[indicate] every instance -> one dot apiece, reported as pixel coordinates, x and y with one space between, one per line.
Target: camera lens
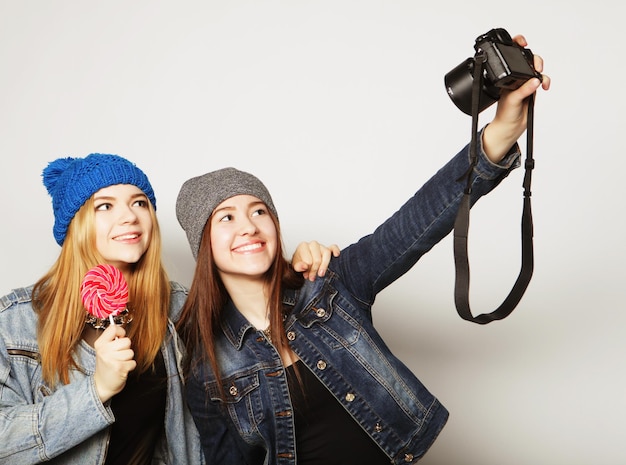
459 83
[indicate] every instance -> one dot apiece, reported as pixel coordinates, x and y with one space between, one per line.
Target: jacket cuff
487 169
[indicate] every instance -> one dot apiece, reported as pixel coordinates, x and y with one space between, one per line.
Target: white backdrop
339 107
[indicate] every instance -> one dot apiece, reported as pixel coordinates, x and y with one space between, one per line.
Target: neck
250 297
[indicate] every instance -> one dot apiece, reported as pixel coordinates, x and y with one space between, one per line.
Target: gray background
339 107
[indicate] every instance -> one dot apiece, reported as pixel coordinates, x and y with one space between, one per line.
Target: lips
127 237
249 247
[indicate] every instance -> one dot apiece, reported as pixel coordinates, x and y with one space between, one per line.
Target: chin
123 263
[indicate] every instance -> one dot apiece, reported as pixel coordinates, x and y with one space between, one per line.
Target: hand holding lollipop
104 293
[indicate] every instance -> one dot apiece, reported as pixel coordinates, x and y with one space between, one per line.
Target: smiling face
123 224
243 238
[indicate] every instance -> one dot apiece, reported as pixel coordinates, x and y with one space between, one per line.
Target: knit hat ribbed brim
199 196
71 181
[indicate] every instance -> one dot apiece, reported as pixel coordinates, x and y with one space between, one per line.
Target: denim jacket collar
235 325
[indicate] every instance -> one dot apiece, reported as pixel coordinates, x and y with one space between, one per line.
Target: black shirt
139 417
326 434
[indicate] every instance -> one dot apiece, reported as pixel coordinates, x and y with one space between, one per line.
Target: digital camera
507 66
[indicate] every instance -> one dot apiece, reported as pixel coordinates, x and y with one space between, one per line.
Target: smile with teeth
126 237
249 247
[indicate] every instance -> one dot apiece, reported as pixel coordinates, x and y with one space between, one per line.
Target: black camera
507 66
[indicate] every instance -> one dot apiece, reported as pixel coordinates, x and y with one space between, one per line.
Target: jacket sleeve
378 259
37 426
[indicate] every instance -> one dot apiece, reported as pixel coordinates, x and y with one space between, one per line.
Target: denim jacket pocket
333 319
320 309
243 400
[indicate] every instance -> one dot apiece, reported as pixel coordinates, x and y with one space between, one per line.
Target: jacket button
233 390
321 364
378 428
320 312
408 457
291 335
350 397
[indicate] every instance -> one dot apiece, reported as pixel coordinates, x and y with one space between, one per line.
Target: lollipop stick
112 321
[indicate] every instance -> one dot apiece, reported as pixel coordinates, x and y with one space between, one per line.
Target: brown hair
56 299
202 313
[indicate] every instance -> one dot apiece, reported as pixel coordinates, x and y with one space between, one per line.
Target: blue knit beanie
71 181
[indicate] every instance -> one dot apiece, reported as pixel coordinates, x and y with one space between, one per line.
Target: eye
225 218
103 207
141 203
259 212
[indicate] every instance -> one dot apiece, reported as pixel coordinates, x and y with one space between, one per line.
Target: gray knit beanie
199 196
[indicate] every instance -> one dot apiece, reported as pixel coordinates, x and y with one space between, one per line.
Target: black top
139 417
326 434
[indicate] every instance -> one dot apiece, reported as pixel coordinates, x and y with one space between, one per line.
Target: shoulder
17 317
19 297
178 296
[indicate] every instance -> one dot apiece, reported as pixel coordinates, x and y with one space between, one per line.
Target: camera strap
461 224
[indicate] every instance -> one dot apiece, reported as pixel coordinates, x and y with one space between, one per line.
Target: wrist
497 140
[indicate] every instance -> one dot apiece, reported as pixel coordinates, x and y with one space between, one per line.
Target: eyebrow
253 204
112 197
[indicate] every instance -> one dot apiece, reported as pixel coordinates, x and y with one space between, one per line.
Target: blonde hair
56 299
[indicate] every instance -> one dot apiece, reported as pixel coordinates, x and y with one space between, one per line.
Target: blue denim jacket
68 424
330 328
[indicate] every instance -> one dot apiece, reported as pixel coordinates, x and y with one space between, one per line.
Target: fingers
532 85
520 40
326 254
303 257
313 258
335 250
315 262
114 361
537 63
110 334
545 83
526 89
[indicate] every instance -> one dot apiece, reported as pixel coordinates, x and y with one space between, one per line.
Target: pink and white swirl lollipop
104 292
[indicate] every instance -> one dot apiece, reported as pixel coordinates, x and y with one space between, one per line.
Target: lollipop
104 293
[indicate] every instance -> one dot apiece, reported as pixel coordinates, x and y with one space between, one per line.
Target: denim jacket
68 424
329 326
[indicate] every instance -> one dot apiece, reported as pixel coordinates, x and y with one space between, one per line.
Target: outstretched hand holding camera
503 71
510 120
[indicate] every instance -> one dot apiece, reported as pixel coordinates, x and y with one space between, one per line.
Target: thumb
111 333
528 88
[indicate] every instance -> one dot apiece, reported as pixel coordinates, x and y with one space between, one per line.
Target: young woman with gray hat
73 394
287 371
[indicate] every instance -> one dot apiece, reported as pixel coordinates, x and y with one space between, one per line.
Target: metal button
233 390
291 335
320 312
408 457
378 428
350 397
321 364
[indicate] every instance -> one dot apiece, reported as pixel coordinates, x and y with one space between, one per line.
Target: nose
248 227
127 215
